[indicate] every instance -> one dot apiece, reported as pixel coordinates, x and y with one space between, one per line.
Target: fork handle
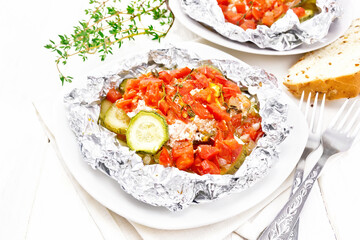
284 222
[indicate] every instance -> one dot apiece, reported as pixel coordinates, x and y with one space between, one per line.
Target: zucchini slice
116 120
122 86
147 132
104 107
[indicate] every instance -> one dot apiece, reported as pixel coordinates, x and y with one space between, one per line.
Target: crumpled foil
170 187
285 34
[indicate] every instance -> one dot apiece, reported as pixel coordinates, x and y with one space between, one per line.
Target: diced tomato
165 159
125 104
278 11
200 80
152 95
205 96
234 18
145 83
268 19
224 151
248 15
113 95
165 76
257 13
220 79
209 72
180 73
207 151
299 11
229 92
219 114
163 107
236 120
171 117
240 7
185 88
201 111
248 24
183 154
132 84
130 94
223 2
172 105
232 144
223 7
208 167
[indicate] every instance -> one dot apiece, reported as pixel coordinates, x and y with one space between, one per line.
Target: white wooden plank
58 211
22 146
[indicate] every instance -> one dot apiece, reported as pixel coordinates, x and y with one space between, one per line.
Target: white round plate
109 193
337 28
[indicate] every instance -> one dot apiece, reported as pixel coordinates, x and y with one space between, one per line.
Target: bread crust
340 87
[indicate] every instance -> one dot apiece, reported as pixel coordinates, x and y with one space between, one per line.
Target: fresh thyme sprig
110 23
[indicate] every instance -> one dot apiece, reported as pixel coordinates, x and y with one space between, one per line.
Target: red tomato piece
207 151
208 167
248 24
257 13
172 105
240 7
113 95
234 18
201 80
223 7
232 144
171 117
219 114
152 95
201 111
229 92
183 154
163 107
223 2
205 96
236 120
165 159
278 11
299 11
268 19
180 73
185 88
165 76
209 72
225 151
132 84
125 104
130 94
248 15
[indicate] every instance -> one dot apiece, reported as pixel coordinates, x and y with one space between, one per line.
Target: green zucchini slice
122 86
147 132
116 120
104 107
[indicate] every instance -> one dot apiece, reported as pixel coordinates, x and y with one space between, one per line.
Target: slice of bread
334 69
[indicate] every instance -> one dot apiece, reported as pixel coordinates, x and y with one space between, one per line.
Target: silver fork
335 139
312 144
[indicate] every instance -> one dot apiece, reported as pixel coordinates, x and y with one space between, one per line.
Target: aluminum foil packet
171 187
285 34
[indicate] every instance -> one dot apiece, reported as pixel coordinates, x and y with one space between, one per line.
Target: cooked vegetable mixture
250 13
195 120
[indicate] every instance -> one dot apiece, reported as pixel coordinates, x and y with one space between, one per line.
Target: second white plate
337 28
